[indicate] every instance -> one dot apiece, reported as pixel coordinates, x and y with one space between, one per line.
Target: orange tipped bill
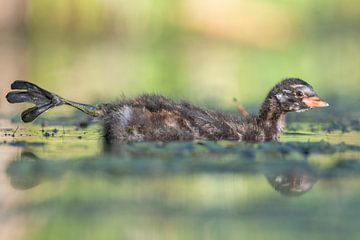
314 102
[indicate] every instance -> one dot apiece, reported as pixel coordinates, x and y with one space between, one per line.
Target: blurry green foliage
115 47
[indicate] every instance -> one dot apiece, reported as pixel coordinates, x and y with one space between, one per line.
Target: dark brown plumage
156 118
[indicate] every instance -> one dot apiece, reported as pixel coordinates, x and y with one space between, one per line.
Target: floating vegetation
26 144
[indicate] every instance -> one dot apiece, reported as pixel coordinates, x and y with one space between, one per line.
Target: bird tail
28 92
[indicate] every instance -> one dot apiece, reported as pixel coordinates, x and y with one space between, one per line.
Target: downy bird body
152 117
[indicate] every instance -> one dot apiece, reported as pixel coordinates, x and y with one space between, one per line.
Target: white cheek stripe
296 85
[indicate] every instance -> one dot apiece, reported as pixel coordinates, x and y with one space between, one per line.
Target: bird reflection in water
292 179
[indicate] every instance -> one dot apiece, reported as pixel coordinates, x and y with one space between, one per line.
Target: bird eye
299 93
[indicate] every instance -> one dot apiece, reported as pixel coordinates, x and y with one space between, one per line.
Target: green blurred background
206 51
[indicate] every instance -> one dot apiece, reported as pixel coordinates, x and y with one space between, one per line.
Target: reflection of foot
11 227
28 170
24 172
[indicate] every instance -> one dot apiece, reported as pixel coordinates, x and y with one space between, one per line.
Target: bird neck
272 117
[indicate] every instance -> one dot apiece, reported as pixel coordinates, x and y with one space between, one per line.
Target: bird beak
314 102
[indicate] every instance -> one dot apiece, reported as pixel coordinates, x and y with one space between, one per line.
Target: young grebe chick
156 118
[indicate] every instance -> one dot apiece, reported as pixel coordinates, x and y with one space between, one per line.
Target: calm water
56 182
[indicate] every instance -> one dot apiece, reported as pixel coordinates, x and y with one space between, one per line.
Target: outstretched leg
43 100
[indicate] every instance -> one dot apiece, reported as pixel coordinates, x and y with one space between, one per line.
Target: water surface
58 181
